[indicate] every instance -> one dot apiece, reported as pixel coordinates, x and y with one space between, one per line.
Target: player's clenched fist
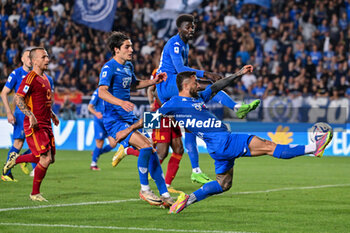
246 69
160 78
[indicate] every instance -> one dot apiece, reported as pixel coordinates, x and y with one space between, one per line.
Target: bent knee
179 150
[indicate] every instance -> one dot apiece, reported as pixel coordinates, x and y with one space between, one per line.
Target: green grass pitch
305 194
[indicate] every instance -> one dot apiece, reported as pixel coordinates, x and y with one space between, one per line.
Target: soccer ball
318 130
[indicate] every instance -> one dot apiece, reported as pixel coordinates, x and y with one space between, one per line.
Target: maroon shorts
40 140
166 134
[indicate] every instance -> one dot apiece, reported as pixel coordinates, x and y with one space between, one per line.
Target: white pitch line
70 204
292 188
114 228
127 200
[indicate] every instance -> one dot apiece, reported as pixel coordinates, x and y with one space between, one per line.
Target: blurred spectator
68 110
297 48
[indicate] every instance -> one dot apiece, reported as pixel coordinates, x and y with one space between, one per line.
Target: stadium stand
298 48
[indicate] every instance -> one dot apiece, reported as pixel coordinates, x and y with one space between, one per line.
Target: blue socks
157 174
142 164
98 151
222 98
106 149
208 189
288 151
191 147
13 149
96 154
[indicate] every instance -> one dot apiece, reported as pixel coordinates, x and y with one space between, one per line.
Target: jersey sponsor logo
26 88
9 79
104 74
126 82
177 50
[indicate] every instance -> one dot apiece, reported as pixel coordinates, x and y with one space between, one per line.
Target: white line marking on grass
113 228
292 188
70 204
128 200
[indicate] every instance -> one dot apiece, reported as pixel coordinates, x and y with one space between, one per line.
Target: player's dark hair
184 18
116 40
33 50
182 76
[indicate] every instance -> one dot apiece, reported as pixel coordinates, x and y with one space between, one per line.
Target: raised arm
139 84
221 84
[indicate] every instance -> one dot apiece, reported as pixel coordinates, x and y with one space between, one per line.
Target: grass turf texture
69 180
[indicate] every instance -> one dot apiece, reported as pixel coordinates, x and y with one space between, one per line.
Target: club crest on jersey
199 106
126 82
25 89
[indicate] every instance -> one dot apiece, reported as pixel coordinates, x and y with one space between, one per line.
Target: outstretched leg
191 147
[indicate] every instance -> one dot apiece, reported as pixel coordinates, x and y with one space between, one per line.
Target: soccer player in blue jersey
224 147
174 60
96 107
16 118
117 77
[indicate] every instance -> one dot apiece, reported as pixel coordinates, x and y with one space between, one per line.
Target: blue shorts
18 130
100 132
113 125
167 89
236 146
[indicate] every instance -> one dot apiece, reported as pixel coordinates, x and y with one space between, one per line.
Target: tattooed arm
19 100
222 83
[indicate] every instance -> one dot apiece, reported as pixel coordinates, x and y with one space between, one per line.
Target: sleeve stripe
30 77
20 94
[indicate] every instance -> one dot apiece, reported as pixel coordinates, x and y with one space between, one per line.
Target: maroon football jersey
37 93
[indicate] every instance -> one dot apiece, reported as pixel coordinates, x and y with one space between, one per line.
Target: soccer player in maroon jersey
34 99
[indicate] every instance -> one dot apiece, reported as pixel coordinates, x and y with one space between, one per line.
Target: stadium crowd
297 47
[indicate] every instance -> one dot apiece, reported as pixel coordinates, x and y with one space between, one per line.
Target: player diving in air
223 146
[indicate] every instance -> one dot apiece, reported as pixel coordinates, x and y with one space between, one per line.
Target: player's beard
194 93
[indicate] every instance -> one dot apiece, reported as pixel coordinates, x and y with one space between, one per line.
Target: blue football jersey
97 102
15 79
193 114
174 59
118 78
